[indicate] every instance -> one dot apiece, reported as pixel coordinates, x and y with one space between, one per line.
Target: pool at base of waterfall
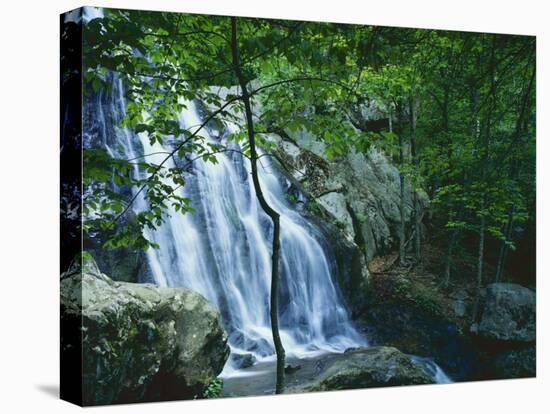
259 379
382 366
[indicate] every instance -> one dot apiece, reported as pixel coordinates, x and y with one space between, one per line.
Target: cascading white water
223 251
432 369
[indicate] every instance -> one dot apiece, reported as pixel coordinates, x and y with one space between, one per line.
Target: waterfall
223 249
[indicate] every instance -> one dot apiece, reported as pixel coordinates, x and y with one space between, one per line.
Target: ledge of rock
140 342
378 366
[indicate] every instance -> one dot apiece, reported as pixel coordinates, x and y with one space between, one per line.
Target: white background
29 136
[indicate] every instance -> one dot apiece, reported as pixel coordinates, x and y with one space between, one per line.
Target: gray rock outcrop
360 191
509 313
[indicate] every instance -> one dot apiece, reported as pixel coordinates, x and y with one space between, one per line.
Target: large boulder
509 313
378 366
140 342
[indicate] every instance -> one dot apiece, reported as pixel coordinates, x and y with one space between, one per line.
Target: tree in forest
274 216
460 111
469 92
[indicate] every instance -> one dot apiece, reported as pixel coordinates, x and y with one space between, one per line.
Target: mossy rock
378 366
140 342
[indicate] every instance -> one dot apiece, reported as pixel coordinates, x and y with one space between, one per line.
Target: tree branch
171 153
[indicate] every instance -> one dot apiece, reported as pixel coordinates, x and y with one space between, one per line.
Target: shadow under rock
50 389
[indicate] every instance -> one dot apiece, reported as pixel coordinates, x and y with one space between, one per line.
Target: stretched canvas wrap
254 206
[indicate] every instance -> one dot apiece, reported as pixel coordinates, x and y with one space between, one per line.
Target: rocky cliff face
353 198
141 342
360 191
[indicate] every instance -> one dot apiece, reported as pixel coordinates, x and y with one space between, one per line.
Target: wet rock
352 272
289 369
243 361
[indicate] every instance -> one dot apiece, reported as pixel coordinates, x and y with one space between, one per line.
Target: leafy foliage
214 389
464 100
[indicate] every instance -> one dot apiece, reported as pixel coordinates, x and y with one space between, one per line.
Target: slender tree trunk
401 193
416 212
481 245
401 200
449 257
279 349
504 246
479 279
417 227
484 174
